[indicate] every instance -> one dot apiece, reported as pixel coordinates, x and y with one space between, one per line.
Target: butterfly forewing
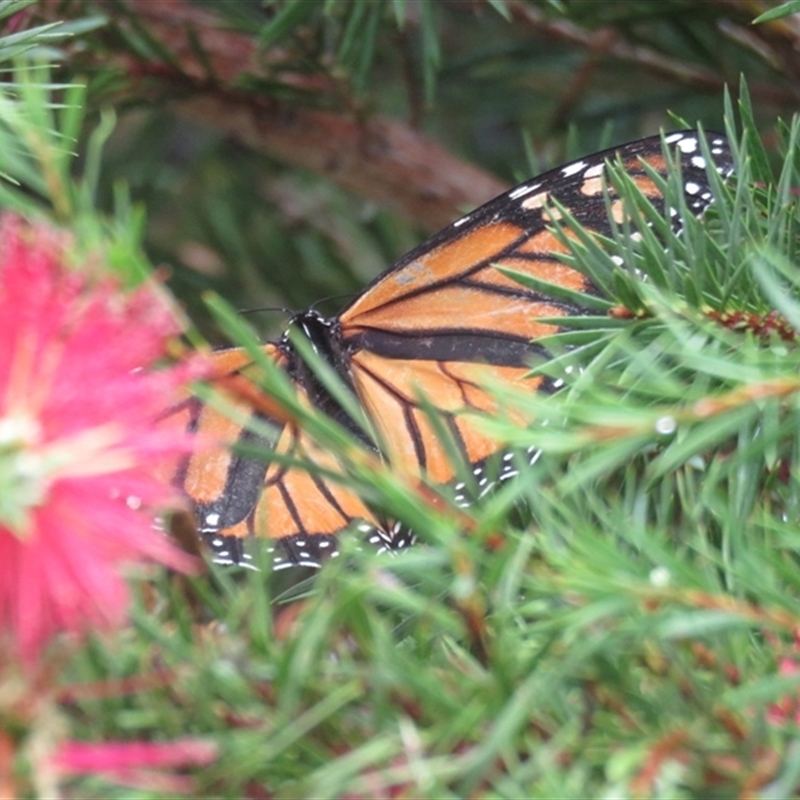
515 225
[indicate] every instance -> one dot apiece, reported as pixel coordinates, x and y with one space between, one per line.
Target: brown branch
375 157
224 55
378 158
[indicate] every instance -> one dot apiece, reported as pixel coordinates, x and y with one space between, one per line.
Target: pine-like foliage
622 620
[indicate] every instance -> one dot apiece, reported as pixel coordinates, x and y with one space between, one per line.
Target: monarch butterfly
442 321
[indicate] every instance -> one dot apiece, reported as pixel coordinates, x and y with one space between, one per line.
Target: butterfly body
324 335
442 324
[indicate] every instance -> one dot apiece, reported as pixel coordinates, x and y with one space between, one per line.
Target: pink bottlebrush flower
137 764
79 448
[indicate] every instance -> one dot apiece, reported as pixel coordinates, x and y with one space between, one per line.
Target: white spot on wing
572 169
521 191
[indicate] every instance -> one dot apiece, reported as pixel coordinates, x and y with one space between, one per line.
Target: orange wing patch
300 502
437 266
389 390
464 308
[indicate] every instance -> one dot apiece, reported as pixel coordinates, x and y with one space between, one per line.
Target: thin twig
527 14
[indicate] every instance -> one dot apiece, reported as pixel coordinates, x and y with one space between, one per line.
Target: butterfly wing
442 323
236 497
444 319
